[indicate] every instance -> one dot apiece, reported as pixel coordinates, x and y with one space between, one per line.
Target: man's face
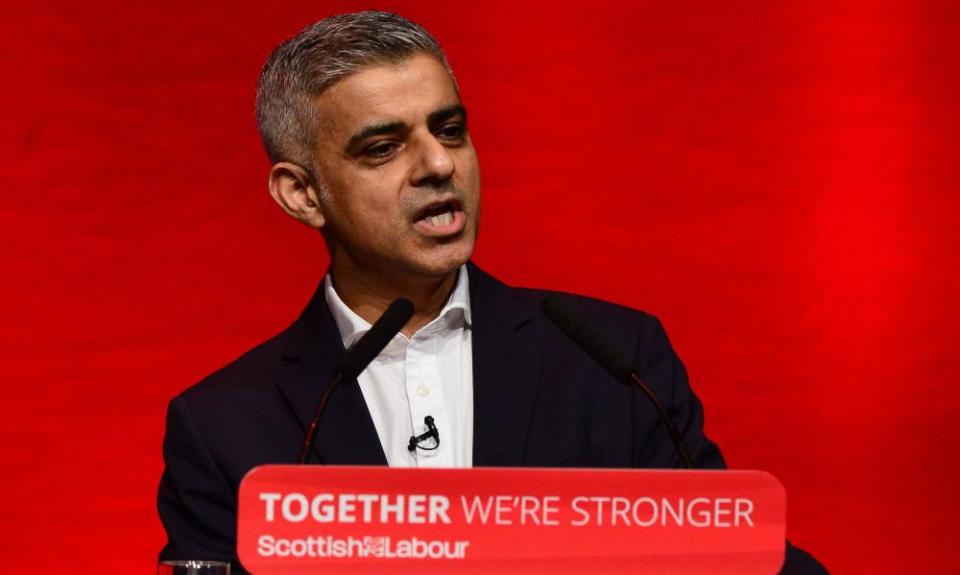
400 173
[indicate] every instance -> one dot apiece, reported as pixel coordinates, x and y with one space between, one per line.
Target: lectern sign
301 519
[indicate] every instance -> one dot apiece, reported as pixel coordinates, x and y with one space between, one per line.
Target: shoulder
253 372
635 332
617 329
236 415
589 307
527 301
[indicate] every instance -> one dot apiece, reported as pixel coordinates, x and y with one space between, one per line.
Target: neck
369 294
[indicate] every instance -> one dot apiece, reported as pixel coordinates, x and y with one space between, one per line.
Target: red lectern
305 519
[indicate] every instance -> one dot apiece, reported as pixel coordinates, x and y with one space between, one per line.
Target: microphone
360 354
610 358
416 440
357 358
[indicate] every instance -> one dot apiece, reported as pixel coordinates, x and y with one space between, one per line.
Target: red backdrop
777 183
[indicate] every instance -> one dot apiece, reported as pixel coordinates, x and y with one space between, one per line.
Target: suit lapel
345 434
506 372
506 375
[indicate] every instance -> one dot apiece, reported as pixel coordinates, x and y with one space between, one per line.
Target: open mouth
441 218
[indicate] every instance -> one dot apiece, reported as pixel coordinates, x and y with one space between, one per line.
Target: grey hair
302 67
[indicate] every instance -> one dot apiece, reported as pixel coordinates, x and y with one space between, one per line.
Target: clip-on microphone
416 440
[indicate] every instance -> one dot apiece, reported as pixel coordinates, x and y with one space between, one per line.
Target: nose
434 165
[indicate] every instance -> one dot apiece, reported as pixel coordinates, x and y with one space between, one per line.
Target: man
362 119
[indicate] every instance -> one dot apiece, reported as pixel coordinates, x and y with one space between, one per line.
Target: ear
292 187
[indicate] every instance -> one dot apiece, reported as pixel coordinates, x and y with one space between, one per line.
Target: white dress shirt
430 373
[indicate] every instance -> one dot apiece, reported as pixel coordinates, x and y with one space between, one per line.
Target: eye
381 149
452 132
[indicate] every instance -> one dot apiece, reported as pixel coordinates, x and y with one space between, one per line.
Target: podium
330 519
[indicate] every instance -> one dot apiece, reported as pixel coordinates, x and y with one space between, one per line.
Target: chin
442 269
446 263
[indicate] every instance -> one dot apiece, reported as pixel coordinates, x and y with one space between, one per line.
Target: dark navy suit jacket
539 401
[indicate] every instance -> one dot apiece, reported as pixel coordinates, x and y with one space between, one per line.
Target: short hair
302 67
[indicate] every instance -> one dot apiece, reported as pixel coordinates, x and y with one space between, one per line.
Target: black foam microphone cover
590 340
360 354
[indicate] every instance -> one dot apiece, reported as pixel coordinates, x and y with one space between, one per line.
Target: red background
777 182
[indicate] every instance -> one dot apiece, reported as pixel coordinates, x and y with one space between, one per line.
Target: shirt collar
454 315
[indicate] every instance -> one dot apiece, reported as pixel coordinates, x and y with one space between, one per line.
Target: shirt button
423 391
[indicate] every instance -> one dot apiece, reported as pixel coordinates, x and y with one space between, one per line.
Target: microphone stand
312 430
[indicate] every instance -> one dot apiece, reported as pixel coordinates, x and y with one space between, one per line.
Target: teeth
444 219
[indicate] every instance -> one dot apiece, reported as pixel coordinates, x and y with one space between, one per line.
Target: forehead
406 91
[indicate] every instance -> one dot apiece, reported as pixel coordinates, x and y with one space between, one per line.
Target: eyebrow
436 117
445 113
374 130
